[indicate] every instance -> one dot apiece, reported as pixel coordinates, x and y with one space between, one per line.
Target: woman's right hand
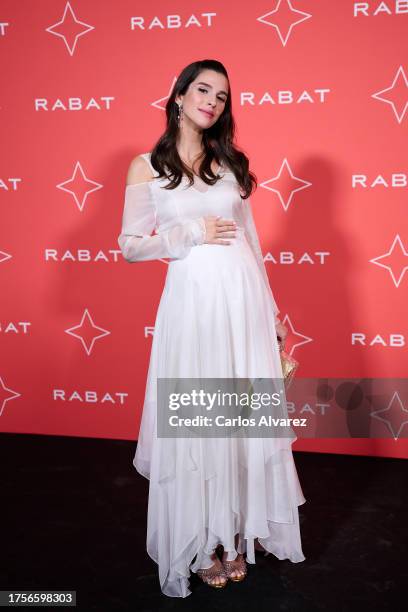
217 229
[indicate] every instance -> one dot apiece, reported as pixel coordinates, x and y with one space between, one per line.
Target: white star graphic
79 186
404 415
158 103
398 94
87 335
4 256
71 25
285 18
287 322
402 269
6 397
287 178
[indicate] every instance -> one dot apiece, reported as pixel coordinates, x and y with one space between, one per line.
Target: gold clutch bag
289 366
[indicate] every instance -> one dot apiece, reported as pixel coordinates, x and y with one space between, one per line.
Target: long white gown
216 319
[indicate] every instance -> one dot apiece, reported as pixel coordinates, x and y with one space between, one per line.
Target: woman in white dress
217 318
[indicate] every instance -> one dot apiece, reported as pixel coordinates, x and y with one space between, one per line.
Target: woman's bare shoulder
139 171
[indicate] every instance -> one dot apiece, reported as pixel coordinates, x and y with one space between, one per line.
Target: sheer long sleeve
248 224
139 220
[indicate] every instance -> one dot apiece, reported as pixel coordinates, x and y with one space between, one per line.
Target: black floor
73 517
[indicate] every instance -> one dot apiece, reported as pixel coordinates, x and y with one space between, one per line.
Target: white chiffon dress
216 318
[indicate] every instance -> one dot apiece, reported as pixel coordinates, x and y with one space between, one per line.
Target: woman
217 317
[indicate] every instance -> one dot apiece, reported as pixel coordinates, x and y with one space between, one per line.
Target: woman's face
205 99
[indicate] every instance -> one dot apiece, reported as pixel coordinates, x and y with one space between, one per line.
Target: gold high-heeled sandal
207 575
236 565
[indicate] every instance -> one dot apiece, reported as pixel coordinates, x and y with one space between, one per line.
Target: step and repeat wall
320 97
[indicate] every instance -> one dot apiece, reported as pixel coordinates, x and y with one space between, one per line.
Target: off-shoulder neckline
148 155
141 183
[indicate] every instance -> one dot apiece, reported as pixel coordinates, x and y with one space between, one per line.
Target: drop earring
180 114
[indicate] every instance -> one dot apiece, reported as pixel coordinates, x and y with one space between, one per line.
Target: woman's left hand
282 332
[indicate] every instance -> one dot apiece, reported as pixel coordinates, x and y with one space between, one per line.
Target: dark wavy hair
217 140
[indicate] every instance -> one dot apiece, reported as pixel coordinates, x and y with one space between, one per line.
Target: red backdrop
320 96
